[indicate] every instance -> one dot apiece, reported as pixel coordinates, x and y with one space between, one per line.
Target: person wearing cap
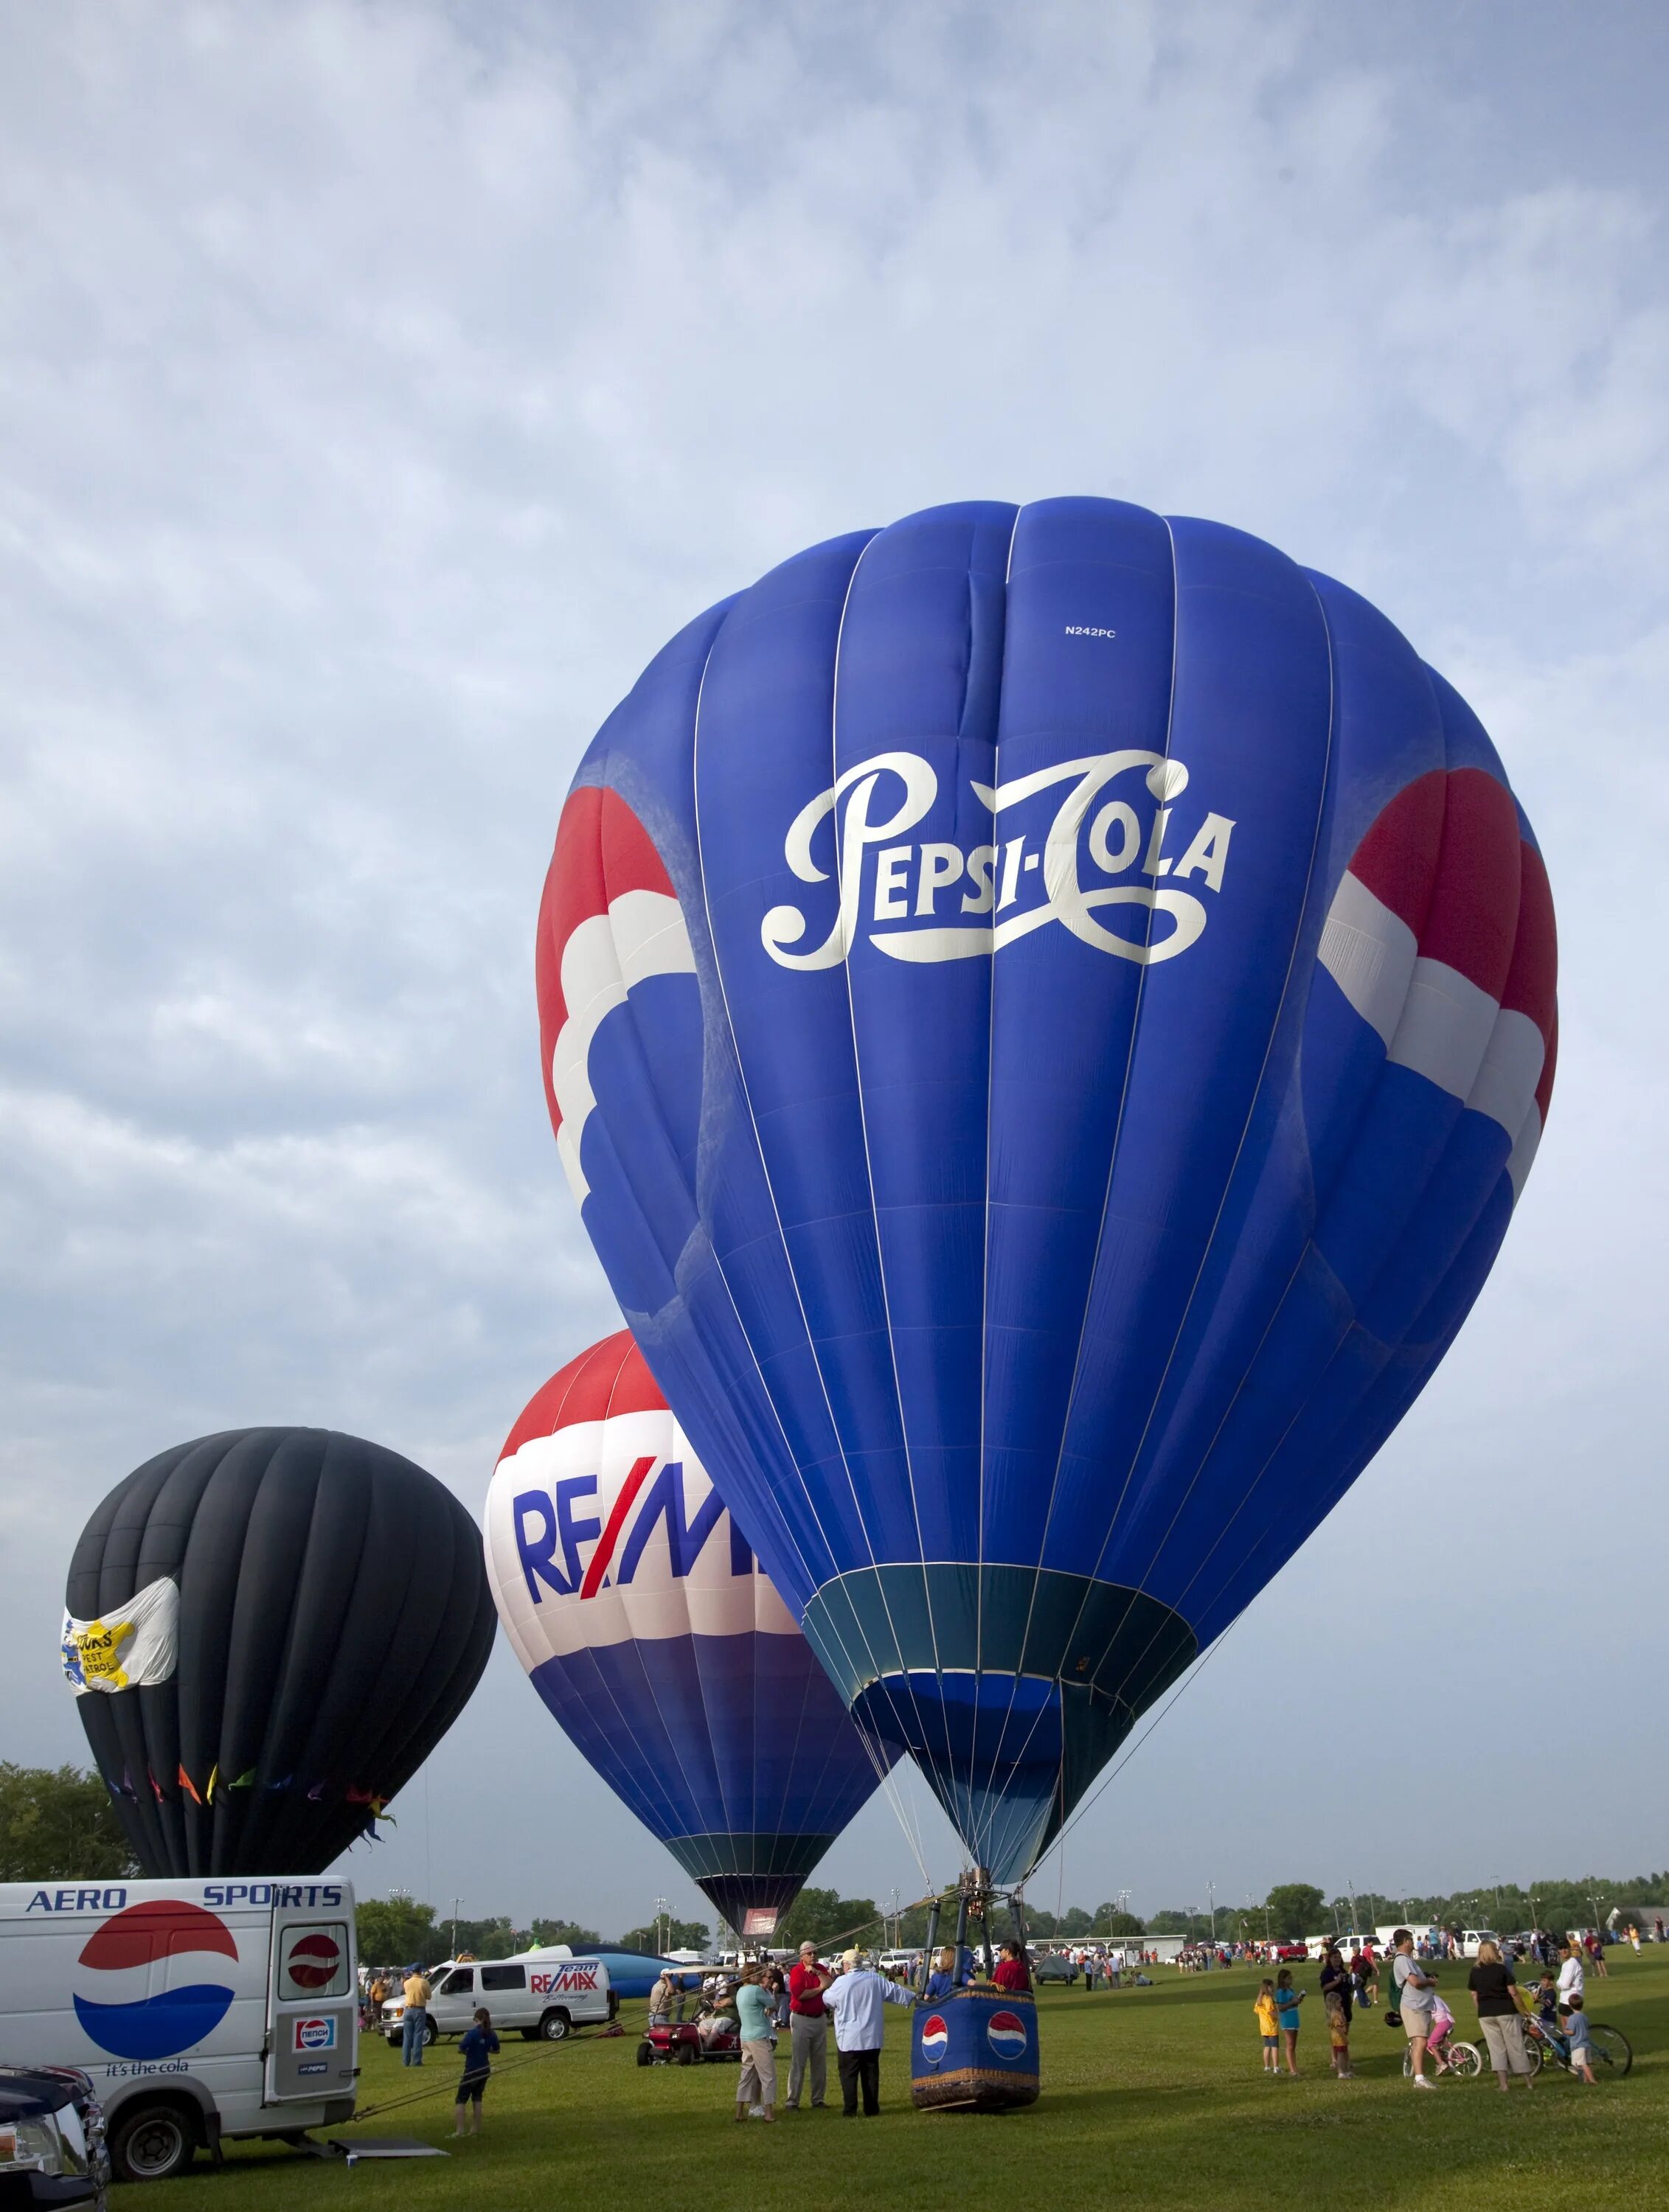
808 2030
854 1999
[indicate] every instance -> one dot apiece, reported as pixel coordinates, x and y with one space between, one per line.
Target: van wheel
431 2034
152 2142
555 2025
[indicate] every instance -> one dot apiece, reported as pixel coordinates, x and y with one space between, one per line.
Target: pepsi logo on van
116 1999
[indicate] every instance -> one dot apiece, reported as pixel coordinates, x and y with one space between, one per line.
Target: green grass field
1151 2095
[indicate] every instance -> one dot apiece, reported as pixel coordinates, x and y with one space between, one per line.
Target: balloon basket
975 2050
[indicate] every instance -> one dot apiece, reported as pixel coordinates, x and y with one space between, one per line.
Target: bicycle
1464 2060
1611 2052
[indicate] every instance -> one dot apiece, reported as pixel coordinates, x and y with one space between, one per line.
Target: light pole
660 1925
456 1902
1211 1893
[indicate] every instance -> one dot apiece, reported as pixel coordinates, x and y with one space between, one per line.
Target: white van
201 2010
542 1992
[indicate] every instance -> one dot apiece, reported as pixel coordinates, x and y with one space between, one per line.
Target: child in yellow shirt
1268 2026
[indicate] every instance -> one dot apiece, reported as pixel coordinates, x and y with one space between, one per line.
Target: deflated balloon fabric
332 1618
1047 1013
641 1616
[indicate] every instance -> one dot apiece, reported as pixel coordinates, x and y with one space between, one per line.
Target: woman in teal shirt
1286 2001
756 2091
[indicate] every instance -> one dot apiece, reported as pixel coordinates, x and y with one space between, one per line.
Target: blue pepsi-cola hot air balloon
641 1616
1047 1012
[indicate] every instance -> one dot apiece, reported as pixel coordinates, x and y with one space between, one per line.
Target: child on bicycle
1263 2006
1579 2052
1442 2022
1545 1997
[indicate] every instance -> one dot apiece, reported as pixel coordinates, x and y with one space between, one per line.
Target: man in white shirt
854 1999
1573 1981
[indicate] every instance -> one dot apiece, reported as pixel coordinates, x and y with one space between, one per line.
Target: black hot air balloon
269 1630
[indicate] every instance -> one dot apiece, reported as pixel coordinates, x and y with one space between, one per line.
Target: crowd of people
749 2010
1410 1975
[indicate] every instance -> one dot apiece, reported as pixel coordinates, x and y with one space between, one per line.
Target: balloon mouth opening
1010 1687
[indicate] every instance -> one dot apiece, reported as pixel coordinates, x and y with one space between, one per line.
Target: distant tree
565 1931
678 1934
57 1823
1110 1921
1195 1926
1295 1909
819 1916
494 1938
394 1931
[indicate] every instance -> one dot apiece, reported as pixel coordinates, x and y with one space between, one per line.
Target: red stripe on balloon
1397 860
623 1503
1472 922
612 1377
602 851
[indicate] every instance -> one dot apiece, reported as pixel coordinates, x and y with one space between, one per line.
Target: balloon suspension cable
1120 1764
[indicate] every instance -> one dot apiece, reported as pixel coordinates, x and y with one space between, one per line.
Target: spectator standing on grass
1499 2003
1287 2002
1269 2026
1596 1950
856 1999
1336 1991
756 2089
808 2030
1576 2025
416 2023
475 2047
1415 1991
1573 1981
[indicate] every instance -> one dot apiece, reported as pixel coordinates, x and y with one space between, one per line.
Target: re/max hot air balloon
639 1612
1047 1012
268 1632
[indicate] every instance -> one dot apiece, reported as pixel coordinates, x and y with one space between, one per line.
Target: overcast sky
381 386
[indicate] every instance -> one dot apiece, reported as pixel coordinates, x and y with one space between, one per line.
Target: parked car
51 2138
1291 1951
1054 1967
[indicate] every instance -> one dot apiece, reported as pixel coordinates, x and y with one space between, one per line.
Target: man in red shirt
1012 1973
808 2028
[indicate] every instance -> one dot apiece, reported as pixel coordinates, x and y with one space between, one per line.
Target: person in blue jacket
476 2046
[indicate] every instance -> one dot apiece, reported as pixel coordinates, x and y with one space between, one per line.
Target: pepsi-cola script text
936 890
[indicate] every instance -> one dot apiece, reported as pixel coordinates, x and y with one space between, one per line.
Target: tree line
56 1824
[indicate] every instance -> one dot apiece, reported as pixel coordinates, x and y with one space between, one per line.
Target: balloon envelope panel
644 1621
1047 1013
333 1618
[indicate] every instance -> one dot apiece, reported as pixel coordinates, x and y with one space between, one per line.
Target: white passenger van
542 1992
201 2010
